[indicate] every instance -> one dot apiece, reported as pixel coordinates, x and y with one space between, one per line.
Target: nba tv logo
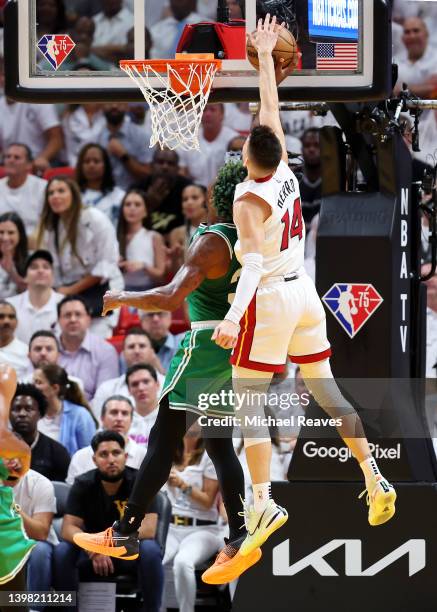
352 304
56 48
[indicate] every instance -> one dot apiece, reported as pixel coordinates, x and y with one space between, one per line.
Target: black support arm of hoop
381 121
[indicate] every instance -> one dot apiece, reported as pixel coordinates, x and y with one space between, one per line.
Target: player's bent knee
321 383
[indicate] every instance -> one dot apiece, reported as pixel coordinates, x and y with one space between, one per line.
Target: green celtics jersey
210 301
15 546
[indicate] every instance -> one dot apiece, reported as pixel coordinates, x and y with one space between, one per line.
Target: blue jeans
148 567
39 569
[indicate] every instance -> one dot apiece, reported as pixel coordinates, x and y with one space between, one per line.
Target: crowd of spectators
86 206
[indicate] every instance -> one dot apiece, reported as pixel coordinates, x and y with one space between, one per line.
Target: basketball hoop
178 101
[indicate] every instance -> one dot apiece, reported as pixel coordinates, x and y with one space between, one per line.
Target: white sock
261 495
371 471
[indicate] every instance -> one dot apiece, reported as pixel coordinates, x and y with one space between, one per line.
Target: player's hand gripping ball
284 51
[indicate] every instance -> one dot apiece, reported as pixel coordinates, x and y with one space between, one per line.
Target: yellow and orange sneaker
230 564
109 542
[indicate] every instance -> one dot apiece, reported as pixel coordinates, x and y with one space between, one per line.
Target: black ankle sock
131 521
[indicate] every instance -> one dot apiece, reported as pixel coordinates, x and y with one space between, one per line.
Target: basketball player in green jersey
15 546
207 280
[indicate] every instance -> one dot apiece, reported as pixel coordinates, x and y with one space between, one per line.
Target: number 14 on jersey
293 227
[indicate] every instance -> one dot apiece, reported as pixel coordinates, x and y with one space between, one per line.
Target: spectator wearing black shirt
311 182
163 189
49 457
96 500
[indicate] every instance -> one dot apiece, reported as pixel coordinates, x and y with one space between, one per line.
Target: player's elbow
175 300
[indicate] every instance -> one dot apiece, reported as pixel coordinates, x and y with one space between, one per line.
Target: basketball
286 49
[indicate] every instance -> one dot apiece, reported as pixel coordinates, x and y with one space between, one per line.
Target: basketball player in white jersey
276 313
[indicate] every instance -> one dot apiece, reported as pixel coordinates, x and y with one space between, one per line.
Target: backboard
345 47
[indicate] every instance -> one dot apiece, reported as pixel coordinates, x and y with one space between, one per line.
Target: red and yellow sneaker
230 564
110 542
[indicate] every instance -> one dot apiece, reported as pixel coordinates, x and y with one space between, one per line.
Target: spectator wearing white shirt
112 26
126 145
167 32
297 122
116 415
83 244
12 351
402 9
154 10
20 191
36 125
194 534
81 124
96 181
142 251
35 496
37 305
238 117
214 138
417 68
137 348
143 385
13 254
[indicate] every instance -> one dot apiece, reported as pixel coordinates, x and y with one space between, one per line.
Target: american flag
337 56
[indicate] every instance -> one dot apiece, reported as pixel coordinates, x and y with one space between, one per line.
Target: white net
177 103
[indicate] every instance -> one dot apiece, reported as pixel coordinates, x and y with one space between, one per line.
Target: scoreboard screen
334 20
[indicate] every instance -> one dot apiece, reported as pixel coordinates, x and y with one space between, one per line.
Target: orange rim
182 65
182 60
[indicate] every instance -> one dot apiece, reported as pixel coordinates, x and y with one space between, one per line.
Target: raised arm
264 41
208 257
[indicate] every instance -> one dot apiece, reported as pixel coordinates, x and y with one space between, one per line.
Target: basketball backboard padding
28 80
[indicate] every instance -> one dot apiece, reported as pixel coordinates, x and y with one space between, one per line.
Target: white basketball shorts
284 319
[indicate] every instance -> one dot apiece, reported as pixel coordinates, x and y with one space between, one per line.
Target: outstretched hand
265 37
281 72
111 301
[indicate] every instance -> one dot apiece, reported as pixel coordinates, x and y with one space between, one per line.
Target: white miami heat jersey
284 244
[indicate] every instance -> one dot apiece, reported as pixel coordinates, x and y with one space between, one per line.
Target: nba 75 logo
56 48
352 305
